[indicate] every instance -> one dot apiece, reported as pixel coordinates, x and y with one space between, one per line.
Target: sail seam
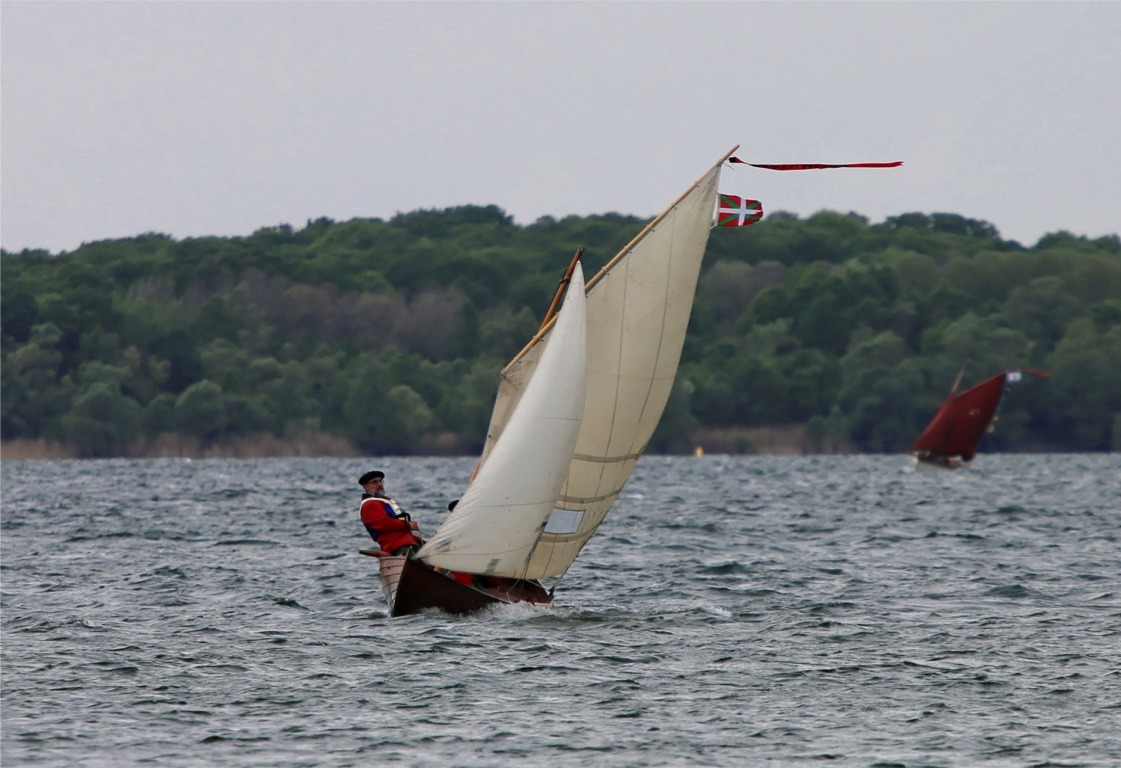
589 500
662 332
606 459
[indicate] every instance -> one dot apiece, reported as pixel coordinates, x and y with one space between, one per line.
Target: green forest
375 336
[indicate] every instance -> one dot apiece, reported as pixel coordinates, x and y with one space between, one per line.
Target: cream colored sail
638 309
496 524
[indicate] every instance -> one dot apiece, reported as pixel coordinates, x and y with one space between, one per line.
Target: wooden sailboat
531 508
950 439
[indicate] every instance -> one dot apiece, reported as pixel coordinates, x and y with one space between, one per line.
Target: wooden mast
564 281
957 381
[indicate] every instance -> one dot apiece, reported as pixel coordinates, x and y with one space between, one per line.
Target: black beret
372 475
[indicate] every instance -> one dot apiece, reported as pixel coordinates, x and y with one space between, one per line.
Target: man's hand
414 525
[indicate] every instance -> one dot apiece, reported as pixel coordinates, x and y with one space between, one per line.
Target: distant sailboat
574 413
950 439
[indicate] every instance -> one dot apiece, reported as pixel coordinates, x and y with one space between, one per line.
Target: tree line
389 334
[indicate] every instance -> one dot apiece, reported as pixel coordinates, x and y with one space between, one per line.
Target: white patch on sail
564 521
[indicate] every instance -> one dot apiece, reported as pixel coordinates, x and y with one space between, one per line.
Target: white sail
638 311
497 523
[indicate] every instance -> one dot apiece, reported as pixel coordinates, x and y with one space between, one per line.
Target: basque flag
738 211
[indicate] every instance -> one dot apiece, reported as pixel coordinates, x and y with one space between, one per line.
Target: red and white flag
736 211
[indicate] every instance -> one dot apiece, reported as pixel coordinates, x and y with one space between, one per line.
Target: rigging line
561 575
548 560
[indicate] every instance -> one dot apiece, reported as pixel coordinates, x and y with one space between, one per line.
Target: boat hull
411 587
928 463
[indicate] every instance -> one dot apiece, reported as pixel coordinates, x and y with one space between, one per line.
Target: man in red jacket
386 523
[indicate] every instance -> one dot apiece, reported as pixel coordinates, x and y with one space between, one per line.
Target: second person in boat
390 526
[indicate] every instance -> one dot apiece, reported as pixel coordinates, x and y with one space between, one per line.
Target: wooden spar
546 323
957 381
545 326
552 310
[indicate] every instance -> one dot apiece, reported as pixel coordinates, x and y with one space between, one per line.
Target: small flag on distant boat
814 166
737 211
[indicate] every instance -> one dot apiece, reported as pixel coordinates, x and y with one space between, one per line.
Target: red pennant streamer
814 166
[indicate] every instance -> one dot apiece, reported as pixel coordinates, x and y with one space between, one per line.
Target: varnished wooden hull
411 587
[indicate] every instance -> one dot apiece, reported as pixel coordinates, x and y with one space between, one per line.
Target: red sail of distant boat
951 437
959 423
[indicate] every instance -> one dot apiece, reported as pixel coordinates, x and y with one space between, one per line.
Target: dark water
731 612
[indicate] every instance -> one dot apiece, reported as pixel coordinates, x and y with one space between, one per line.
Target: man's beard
380 494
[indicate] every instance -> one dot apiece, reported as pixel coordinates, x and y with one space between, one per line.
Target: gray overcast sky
215 118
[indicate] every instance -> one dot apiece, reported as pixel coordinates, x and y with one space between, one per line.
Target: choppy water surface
732 611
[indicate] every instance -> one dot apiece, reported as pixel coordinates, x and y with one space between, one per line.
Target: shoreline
778 440
775 440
